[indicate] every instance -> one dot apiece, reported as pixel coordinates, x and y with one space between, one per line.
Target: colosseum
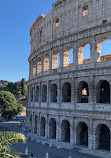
69 93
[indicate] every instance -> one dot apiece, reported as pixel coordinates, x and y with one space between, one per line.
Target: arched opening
68 57
82 134
83 93
65 131
44 93
102 137
37 94
46 62
32 94
104 50
42 129
103 92
53 93
35 127
39 66
52 129
34 68
66 92
84 53
55 60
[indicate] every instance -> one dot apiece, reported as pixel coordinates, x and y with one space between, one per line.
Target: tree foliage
17 88
8 105
6 139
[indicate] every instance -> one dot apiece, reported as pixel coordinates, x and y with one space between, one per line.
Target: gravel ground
40 150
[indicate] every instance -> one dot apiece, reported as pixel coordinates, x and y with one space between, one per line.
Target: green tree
8 105
6 139
23 87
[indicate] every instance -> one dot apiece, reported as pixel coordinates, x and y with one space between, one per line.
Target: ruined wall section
71 20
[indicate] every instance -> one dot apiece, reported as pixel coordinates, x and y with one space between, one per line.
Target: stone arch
65 131
84 53
82 92
53 93
103 56
68 57
52 128
44 93
82 134
66 92
42 127
55 60
39 66
35 125
103 92
102 137
37 94
46 62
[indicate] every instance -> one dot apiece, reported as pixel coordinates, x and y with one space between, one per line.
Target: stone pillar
40 93
90 135
91 89
36 65
29 70
61 60
75 49
72 91
50 61
32 69
39 125
46 127
58 129
47 94
72 134
75 141
93 50
32 130
59 92
42 63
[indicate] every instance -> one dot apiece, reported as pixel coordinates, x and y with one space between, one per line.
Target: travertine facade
70 103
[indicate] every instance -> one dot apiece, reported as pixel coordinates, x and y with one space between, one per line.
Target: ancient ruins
69 96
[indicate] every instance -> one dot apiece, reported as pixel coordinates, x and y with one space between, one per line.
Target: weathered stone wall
80 22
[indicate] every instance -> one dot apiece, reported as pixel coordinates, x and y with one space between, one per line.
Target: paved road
40 150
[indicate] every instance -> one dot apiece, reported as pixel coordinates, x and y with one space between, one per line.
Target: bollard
47 155
26 150
69 157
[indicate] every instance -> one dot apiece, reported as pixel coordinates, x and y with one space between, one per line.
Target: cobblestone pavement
40 150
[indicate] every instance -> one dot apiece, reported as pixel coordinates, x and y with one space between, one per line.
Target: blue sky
16 18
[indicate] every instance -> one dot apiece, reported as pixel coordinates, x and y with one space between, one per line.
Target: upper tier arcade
68 18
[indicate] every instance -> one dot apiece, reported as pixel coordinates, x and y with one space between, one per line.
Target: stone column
36 65
42 62
58 129
72 134
32 130
39 125
47 94
46 127
50 61
59 93
110 91
72 90
75 49
40 93
61 59
91 89
32 69
90 135
93 50
75 141
29 70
